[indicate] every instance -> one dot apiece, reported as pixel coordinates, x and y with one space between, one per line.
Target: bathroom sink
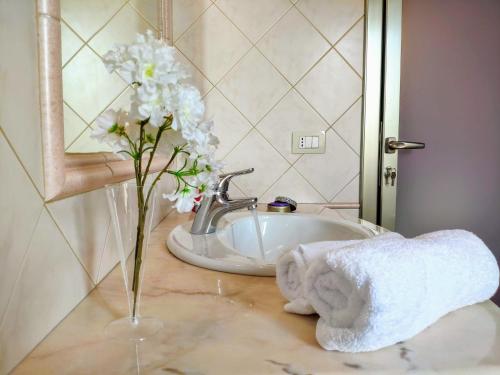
234 247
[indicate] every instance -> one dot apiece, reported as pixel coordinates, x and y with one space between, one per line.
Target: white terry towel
291 268
376 293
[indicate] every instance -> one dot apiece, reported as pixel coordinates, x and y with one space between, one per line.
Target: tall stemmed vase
132 224
165 116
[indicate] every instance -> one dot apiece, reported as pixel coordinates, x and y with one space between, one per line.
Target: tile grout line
190 26
340 53
254 45
18 158
341 190
143 17
66 314
309 182
291 164
195 67
106 241
21 268
332 126
87 41
88 125
67 242
275 182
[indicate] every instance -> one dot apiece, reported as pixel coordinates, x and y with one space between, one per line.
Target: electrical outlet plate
306 142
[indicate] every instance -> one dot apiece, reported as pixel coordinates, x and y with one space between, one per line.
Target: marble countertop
218 323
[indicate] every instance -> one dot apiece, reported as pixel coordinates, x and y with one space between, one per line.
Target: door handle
391 145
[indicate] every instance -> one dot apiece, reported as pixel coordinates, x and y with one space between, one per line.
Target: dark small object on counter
278 207
290 201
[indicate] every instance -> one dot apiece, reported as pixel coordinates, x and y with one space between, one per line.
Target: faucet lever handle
223 184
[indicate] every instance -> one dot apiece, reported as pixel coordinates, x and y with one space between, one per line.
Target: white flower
190 110
110 128
184 198
148 59
147 104
150 66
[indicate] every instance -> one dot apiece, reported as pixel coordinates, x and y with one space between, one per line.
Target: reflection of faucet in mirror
212 208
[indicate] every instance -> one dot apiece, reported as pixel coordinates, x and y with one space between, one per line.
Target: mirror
88 30
75 86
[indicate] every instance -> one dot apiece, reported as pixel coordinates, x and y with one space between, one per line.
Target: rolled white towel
376 293
292 266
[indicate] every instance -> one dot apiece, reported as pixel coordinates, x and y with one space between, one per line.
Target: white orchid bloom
184 198
110 128
190 109
157 78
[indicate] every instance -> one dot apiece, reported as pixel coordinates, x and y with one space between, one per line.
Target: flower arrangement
165 118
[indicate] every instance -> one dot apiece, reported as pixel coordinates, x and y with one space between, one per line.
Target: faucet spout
213 208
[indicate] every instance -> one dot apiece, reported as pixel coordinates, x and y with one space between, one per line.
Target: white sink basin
234 247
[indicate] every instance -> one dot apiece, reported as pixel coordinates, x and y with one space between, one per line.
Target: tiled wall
266 68
51 255
88 30
270 67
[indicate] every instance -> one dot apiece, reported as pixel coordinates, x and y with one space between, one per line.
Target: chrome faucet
212 208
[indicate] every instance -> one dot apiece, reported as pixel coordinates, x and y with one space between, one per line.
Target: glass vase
132 208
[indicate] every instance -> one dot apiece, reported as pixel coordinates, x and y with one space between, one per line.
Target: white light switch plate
304 142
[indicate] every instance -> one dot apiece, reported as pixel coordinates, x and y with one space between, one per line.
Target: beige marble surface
219 323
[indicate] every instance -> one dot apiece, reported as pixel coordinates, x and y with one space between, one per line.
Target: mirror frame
67 174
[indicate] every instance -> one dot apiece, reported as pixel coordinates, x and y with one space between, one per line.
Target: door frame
381 89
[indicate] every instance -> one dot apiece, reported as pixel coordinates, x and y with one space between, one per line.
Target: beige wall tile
349 214
331 171
70 43
293 45
230 125
254 17
254 151
73 126
213 44
331 213
88 87
254 86
84 220
291 114
332 17
122 29
234 191
20 207
86 144
185 12
331 86
87 17
350 193
149 9
294 186
342 214
109 257
197 78
351 46
51 283
349 126
19 115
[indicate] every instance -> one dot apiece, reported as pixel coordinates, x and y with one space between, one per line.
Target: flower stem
143 206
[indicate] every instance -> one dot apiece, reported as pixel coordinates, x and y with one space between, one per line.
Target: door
449 99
